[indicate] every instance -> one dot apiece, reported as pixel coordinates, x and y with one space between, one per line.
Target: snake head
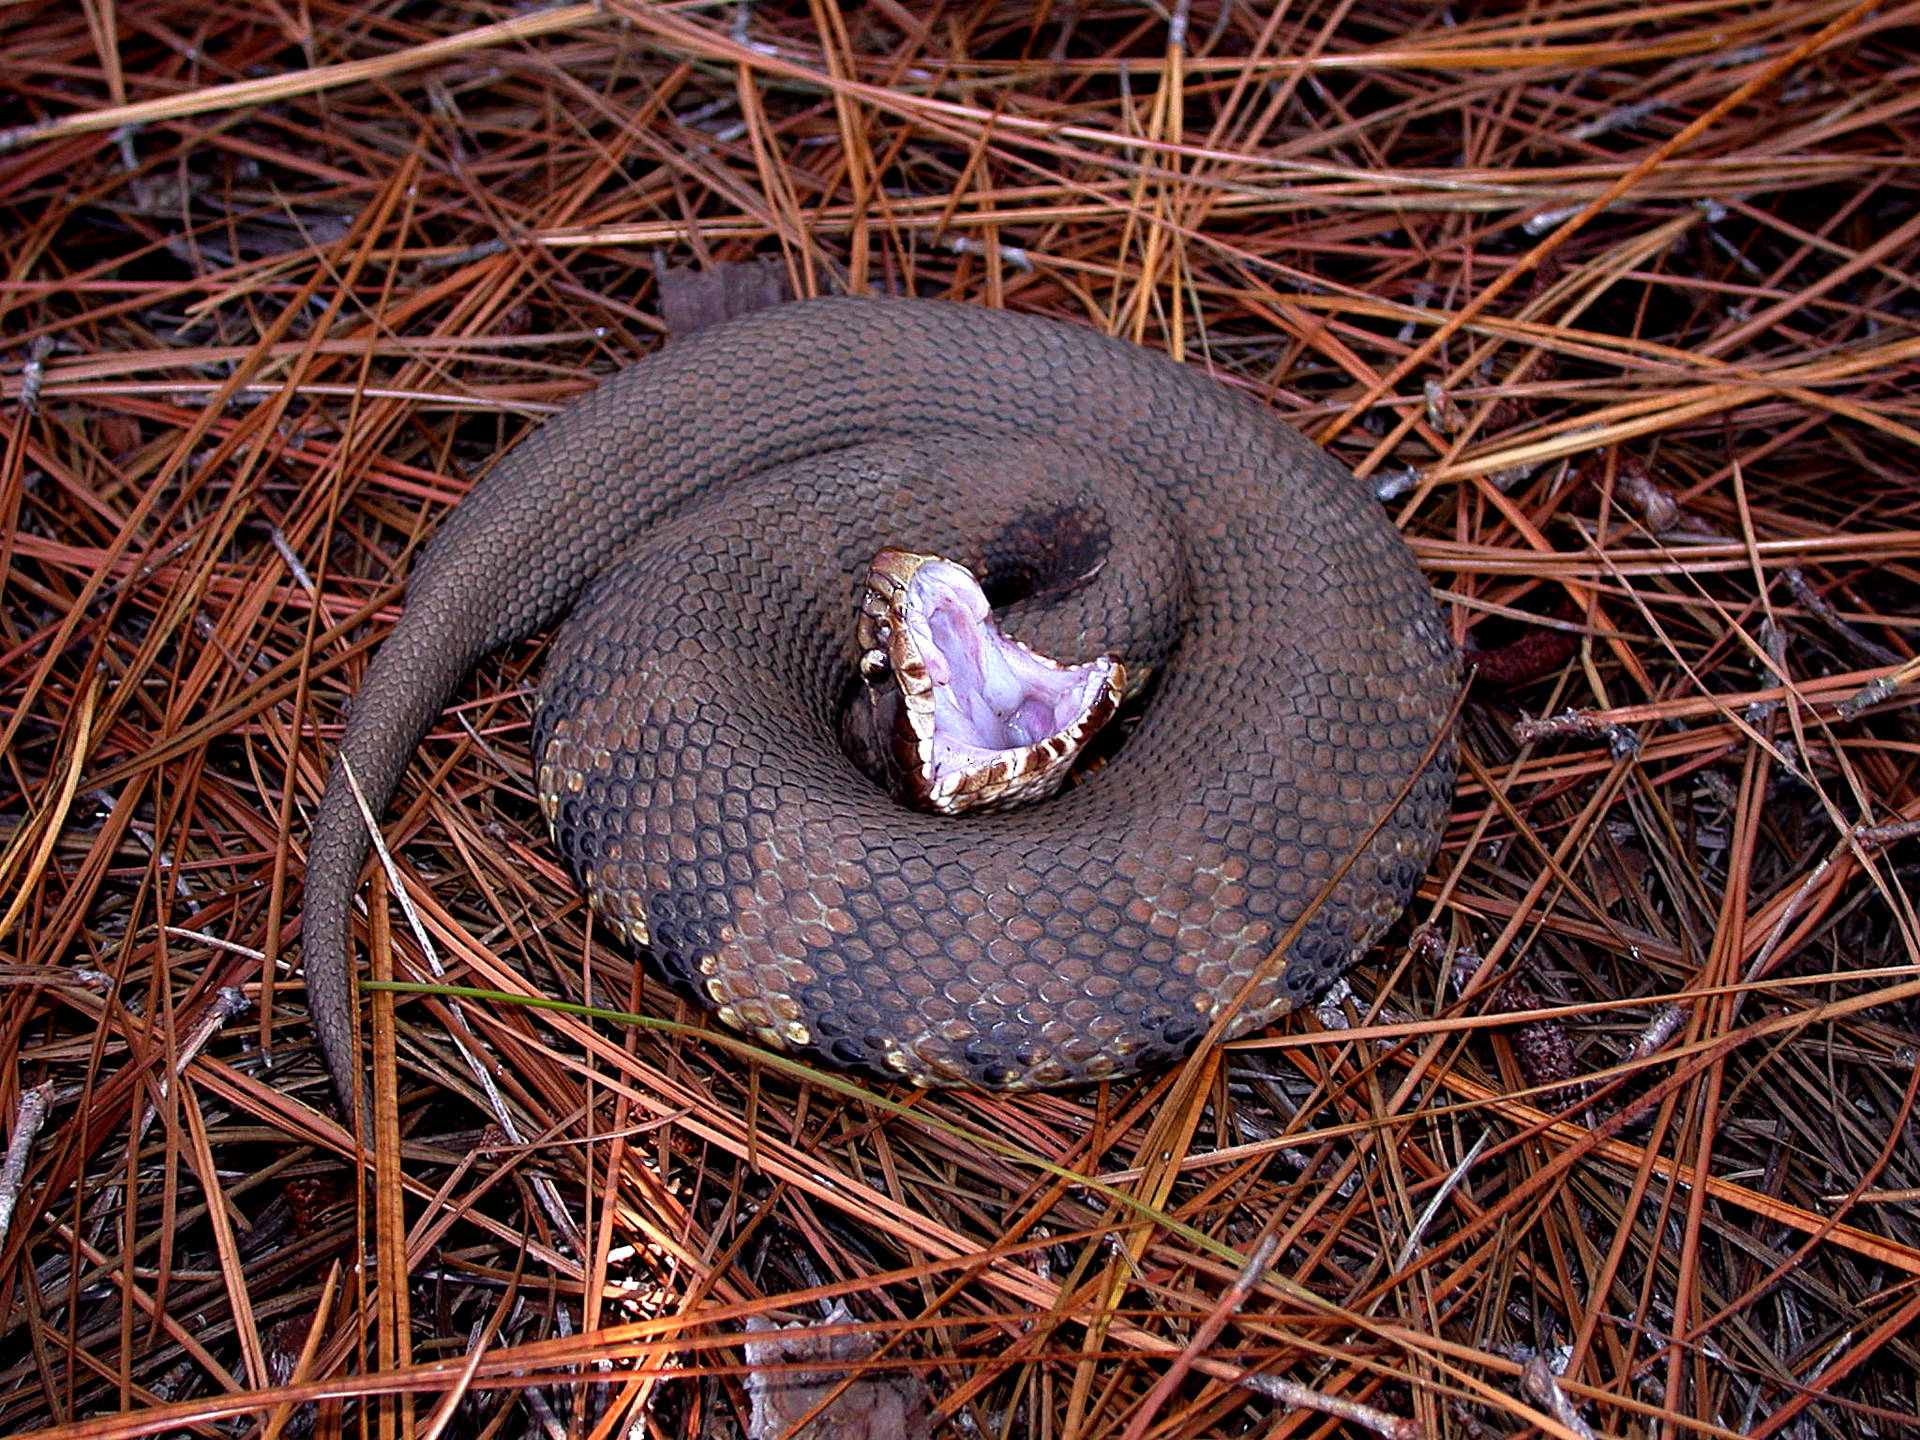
964 716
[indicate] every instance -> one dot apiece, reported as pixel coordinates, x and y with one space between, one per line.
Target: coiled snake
705 518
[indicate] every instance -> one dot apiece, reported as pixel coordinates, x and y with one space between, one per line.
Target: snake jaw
978 720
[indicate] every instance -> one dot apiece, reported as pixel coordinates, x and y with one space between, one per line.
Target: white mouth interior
991 694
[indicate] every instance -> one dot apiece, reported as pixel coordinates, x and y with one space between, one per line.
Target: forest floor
1613 1134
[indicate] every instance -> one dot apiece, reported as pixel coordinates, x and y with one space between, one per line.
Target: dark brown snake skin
705 516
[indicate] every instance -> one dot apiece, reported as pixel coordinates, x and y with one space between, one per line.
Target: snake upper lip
985 721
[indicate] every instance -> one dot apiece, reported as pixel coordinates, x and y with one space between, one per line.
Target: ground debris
839 1403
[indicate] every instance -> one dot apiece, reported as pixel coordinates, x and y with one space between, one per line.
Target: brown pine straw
1613 1135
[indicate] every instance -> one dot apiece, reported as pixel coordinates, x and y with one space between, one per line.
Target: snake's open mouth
969 718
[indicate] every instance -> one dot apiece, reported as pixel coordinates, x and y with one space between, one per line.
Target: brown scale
705 517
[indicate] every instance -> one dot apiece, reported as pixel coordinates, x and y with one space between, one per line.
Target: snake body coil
704 517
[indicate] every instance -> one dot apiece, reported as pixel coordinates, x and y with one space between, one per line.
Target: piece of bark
691 299
885 1405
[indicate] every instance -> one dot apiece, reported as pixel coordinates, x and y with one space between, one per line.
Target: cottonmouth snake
704 516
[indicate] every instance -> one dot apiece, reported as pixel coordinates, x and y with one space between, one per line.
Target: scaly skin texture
706 516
